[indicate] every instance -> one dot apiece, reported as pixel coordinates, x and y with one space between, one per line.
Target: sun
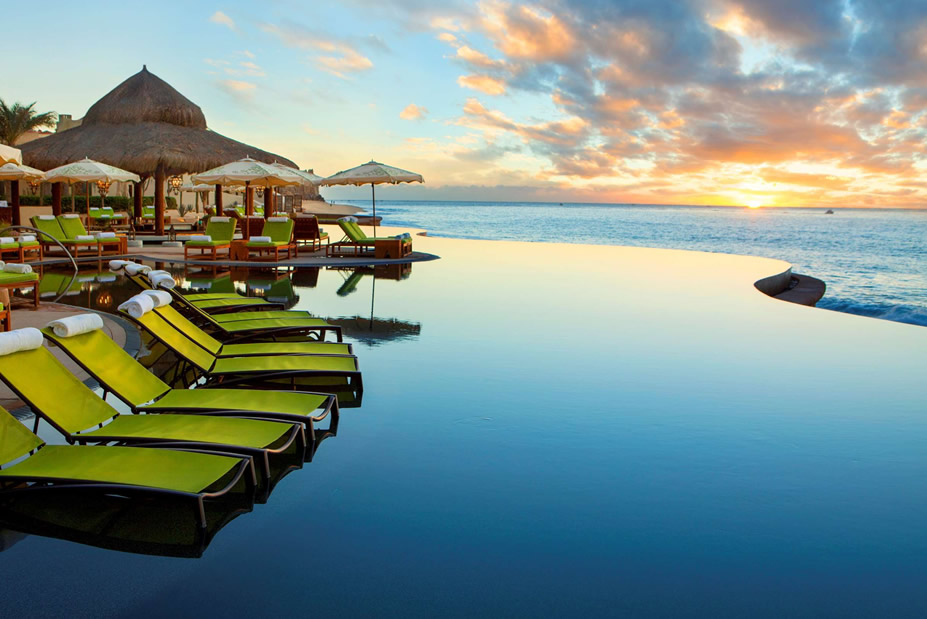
754 204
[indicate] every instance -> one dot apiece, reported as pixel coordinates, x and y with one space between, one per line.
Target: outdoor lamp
103 187
175 182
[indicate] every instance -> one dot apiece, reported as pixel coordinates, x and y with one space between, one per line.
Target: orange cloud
413 112
483 83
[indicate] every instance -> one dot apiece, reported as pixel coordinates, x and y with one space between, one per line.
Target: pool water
561 430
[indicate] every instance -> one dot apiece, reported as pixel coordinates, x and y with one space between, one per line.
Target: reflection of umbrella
247 171
372 330
88 170
375 174
8 154
14 172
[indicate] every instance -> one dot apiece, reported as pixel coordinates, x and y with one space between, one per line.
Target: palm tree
17 119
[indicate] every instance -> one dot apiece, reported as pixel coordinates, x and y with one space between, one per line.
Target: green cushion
48 226
29 243
182 471
13 245
262 315
283 363
275 323
198 428
207 243
71 226
17 278
230 302
258 401
284 348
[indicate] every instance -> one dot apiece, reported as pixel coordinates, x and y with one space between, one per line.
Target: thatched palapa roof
142 125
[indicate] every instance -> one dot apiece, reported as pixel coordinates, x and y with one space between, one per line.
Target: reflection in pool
572 431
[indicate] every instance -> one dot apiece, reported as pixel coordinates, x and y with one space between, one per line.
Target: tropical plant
17 119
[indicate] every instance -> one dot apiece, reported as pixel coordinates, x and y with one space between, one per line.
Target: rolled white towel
158 297
71 216
221 219
87 278
18 340
117 265
277 220
137 306
106 278
348 218
76 325
85 237
27 238
261 239
133 268
46 217
105 235
6 240
199 237
161 279
10 267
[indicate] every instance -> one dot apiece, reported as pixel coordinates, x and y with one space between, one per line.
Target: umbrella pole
87 191
373 295
373 195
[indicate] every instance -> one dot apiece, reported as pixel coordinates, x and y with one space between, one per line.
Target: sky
722 102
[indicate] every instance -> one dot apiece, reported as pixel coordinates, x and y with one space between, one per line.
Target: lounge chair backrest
220 230
352 231
49 226
94 211
255 225
15 439
182 324
69 404
108 210
148 211
162 330
106 359
279 231
71 226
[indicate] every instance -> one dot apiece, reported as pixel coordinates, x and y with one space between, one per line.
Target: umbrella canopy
249 171
88 170
143 125
8 154
13 172
200 187
309 177
373 173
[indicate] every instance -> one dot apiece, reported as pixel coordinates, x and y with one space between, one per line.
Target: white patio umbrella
309 177
8 154
373 173
90 171
17 172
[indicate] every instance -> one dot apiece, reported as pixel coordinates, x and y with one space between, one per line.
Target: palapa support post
159 201
137 192
219 210
14 202
56 199
249 209
87 191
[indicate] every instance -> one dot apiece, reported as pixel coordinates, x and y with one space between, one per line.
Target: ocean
874 261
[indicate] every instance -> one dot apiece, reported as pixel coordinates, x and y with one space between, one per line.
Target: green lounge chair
73 228
221 230
215 302
280 232
357 241
74 410
131 382
17 281
125 471
266 370
119 218
50 225
17 251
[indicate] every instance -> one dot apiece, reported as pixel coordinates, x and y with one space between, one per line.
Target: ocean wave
909 314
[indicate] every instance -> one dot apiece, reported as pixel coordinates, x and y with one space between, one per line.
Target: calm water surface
874 261
558 438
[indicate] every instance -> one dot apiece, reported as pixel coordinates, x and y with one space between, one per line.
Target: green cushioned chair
119 217
126 471
357 241
281 240
132 383
73 227
221 230
51 225
75 411
253 370
19 281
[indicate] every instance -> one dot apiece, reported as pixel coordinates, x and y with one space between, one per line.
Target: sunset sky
755 102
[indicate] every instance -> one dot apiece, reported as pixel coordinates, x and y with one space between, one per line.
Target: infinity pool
560 430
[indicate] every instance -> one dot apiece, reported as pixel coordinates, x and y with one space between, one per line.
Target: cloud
237 87
483 83
338 56
413 112
223 20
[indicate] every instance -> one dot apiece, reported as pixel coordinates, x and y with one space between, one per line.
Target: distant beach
873 260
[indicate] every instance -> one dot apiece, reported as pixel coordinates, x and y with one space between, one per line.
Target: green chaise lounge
124 471
49 225
131 382
73 229
276 237
18 281
75 411
21 250
251 370
356 242
219 231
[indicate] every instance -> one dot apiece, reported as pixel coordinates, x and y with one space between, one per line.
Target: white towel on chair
277 220
158 297
20 339
76 325
71 216
27 238
7 240
9 267
117 265
137 306
85 237
46 217
261 239
133 268
161 279
199 237
348 218
221 219
105 235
